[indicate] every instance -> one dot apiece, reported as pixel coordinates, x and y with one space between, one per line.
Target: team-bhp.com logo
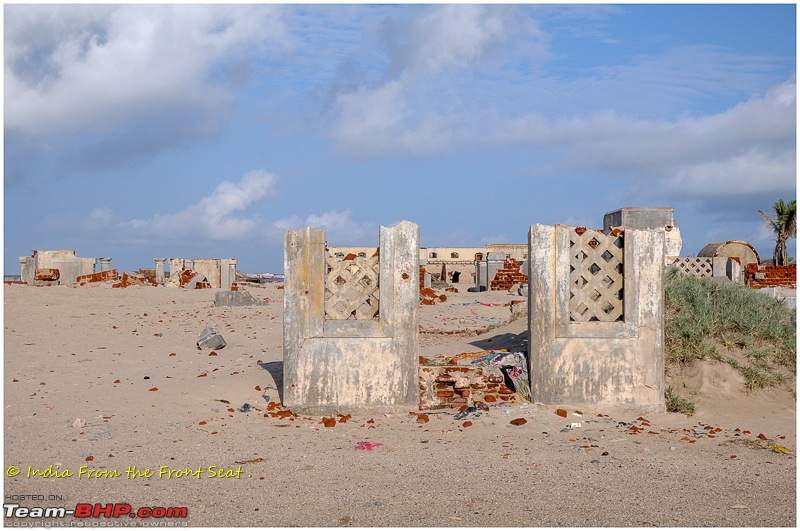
97 510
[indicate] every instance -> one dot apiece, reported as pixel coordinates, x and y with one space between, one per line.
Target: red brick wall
110 274
454 387
508 276
771 276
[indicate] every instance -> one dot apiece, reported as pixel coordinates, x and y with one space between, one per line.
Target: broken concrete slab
236 298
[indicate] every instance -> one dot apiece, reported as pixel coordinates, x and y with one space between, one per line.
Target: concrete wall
69 266
219 272
350 365
708 267
619 363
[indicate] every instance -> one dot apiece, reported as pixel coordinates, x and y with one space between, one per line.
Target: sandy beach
98 381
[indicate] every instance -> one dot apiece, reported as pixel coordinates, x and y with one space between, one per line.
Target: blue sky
204 131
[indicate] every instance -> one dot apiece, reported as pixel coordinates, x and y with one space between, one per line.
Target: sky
204 131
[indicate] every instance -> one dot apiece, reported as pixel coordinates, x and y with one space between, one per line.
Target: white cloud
340 228
81 69
217 216
414 110
749 147
381 121
450 36
753 172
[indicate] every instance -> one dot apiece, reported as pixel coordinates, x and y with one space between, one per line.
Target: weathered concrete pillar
596 317
351 335
105 264
24 262
160 272
232 262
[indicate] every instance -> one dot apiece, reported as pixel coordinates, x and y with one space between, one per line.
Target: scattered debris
366 445
210 338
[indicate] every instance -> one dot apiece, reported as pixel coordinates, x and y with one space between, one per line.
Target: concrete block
649 218
236 298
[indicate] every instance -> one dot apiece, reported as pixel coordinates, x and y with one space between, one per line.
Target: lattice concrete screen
350 330
615 356
596 279
351 287
695 266
710 267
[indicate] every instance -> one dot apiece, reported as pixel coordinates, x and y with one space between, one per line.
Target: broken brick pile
132 279
46 277
509 275
102 276
768 276
429 297
455 386
47 274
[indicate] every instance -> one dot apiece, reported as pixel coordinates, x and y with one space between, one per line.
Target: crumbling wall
350 326
769 276
508 276
69 266
596 316
220 273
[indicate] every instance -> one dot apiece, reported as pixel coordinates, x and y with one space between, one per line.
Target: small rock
79 423
519 422
245 408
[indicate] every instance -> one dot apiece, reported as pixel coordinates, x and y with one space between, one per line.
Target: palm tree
784 225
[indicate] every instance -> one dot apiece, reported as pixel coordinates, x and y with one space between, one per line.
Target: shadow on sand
512 342
275 368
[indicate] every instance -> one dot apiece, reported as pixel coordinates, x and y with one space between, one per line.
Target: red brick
46 274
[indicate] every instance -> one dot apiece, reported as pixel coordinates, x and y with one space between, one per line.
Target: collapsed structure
61 267
596 318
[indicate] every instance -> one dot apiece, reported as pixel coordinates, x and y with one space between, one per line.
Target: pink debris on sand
366 445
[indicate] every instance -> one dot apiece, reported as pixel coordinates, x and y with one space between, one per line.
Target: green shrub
702 316
676 404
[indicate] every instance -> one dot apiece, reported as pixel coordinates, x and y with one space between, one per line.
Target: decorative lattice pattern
695 266
351 287
596 276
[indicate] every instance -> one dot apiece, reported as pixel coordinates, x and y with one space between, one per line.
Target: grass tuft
703 316
676 404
